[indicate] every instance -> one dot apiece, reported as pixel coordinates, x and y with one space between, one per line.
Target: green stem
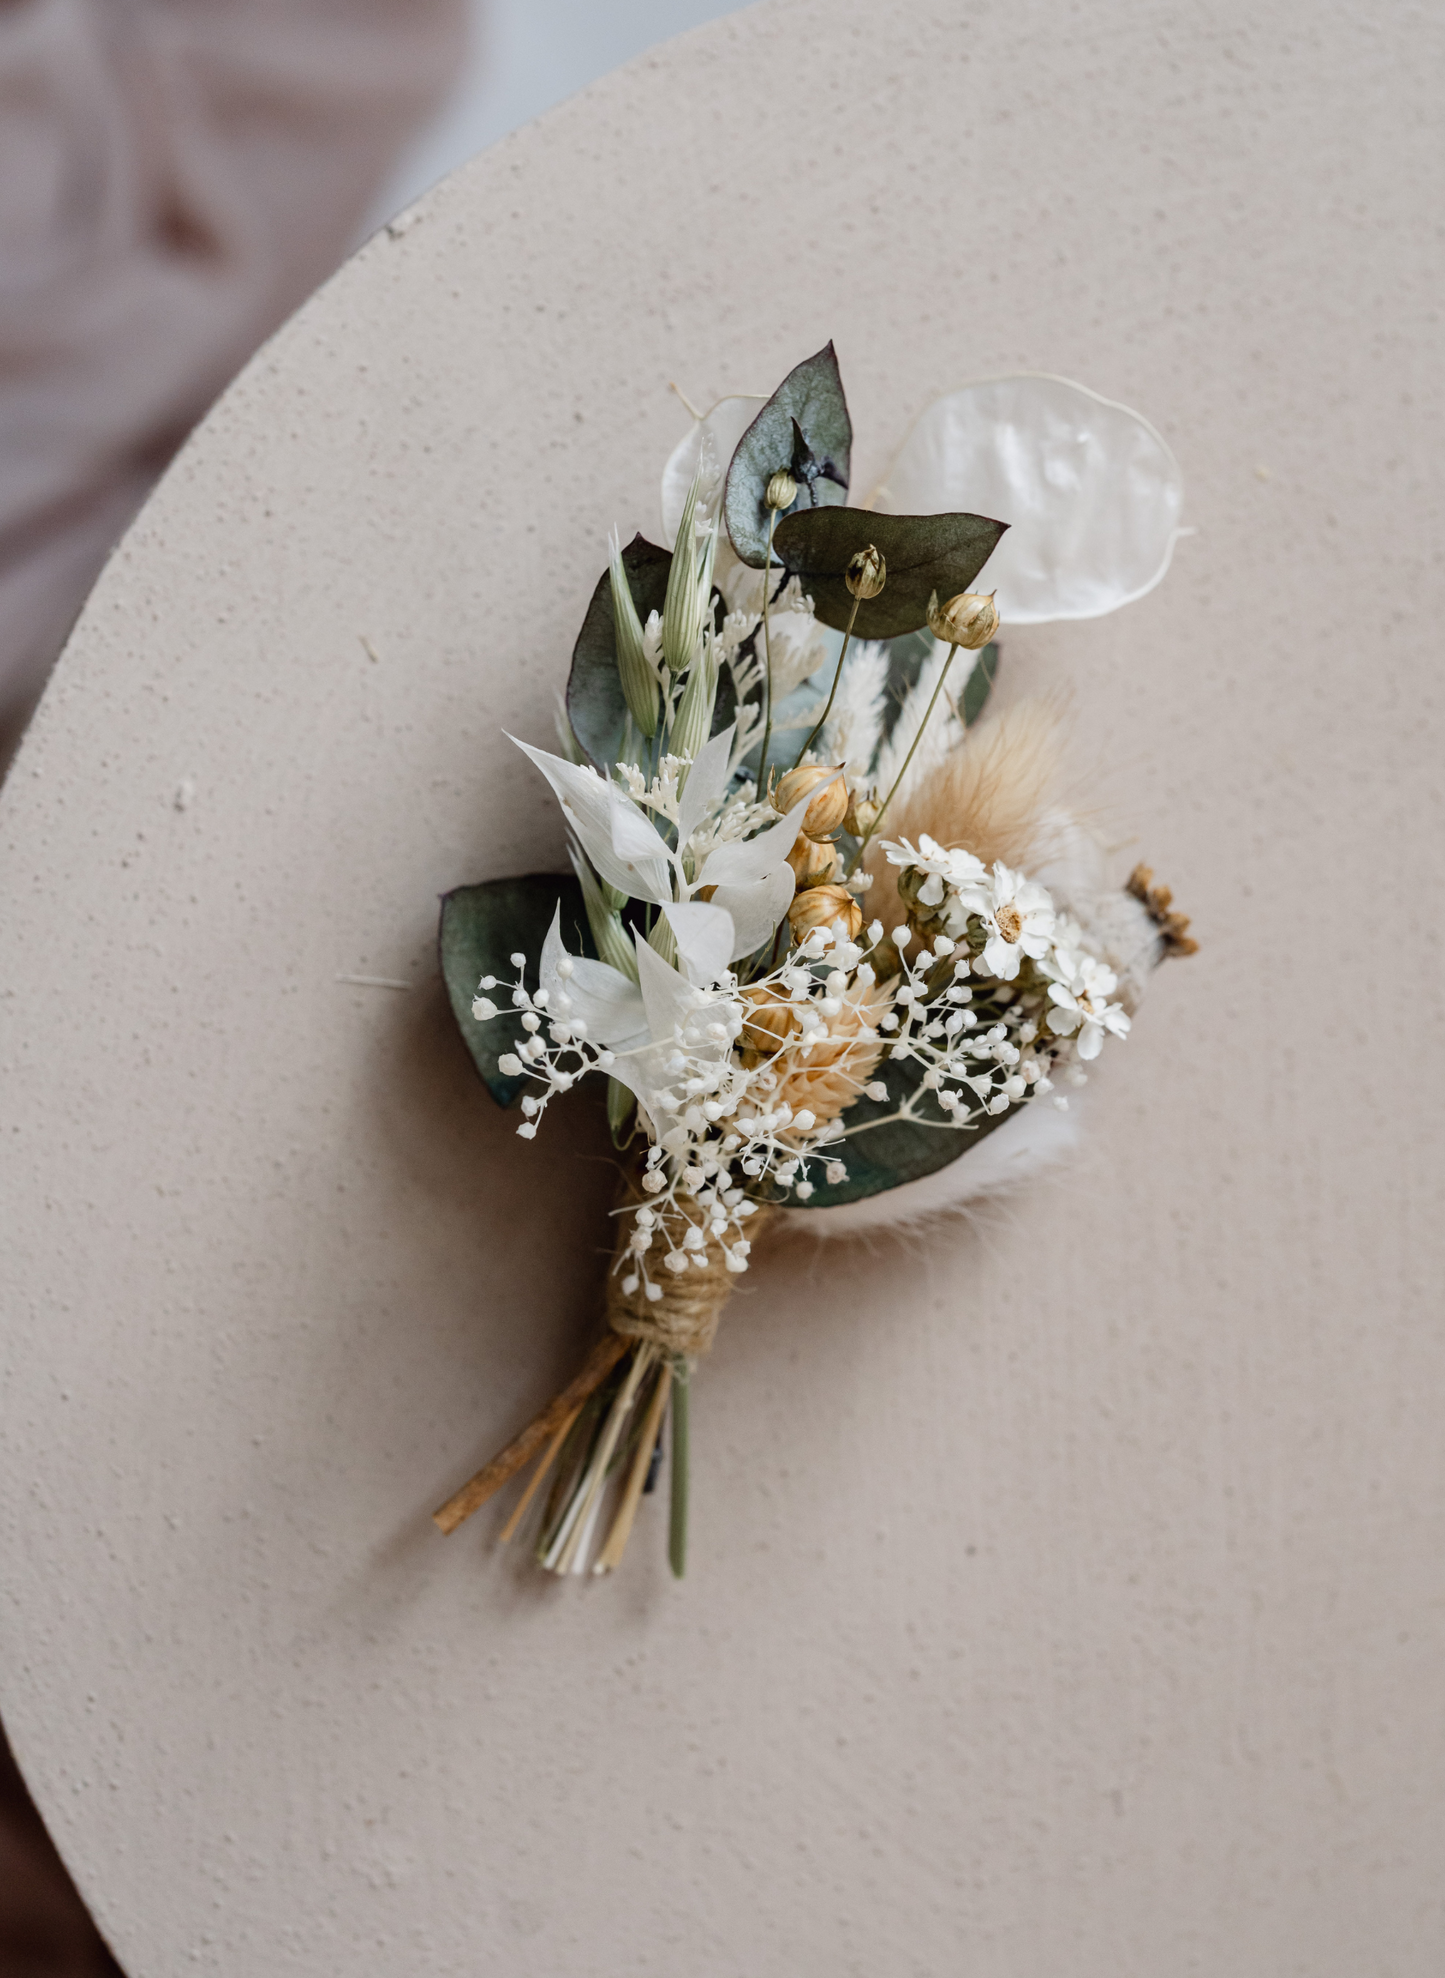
677 1528
828 704
857 857
767 658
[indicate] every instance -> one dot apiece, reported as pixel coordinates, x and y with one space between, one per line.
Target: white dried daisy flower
1019 917
1080 994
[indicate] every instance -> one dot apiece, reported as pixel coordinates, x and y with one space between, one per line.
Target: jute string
684 1319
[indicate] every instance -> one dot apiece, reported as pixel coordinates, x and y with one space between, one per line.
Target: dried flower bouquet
828 928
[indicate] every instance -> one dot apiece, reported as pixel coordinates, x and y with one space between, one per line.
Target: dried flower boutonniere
830 937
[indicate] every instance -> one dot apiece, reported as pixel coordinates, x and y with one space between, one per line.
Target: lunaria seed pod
782 490
969 620
867 573
820 906
828 808
813 864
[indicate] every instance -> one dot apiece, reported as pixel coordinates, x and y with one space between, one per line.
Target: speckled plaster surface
1068 1592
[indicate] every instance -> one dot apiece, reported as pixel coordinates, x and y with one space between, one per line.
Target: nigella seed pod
911 883
828 808
861 815
771 1022
782 490
813 864
969 620
867 573
820 906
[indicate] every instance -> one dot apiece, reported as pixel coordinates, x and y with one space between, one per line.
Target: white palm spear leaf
608 1002
754 881
706 937
707 783
646 1026
624 846
752 877
1091 491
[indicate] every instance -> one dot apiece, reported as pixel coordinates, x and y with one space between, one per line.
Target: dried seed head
820 906
911 882
782 490
867 573
969 620
813 864
861 816
1159 901
828 808
771 1021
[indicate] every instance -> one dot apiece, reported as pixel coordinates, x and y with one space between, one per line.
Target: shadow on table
44 1929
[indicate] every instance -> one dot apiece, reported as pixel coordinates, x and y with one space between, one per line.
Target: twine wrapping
684 1320
680 1324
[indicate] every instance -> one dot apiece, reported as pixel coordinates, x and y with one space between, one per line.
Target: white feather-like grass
1035 1139
854 726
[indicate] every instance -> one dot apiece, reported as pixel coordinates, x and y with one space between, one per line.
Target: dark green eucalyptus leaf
884 1157
805 428
596 705
980 685
481 928
924 553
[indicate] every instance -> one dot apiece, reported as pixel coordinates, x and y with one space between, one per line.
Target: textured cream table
1068 1592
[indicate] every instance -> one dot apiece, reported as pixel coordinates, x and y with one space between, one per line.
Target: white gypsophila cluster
721 1128
1006 995
736 814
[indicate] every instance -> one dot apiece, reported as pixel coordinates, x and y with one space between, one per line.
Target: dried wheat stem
488 1480
595 1481
610 1556
537 1475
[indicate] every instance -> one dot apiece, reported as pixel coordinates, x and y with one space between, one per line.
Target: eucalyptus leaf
804 427
482 927
596 704
882 1157
924 554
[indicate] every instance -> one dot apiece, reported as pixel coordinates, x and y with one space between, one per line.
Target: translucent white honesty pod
1090 490
711 441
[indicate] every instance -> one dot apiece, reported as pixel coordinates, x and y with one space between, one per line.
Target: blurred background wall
176 176
522 57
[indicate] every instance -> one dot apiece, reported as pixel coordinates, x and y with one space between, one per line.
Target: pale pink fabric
175 176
